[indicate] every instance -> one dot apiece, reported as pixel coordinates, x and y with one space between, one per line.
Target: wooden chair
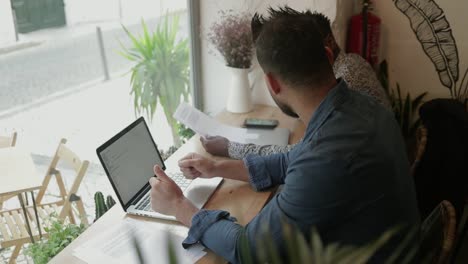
6 142
438 234
462 234
12 224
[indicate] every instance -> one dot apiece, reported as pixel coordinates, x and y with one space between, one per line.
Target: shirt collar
335 97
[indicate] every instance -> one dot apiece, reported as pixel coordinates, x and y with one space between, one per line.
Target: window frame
195 52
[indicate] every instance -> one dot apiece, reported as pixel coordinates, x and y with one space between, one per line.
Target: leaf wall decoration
435 35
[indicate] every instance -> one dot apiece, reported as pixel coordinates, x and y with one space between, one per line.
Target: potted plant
59 234
231 36
161 70
101 205
404 108
313 251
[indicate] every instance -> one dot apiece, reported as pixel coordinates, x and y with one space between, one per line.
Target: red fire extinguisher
364 35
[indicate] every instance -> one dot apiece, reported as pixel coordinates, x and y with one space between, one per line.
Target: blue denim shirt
348 178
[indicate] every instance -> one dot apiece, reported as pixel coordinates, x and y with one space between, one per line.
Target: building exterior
33 15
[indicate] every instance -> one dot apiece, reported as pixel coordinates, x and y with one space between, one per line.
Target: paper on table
116 245
205 125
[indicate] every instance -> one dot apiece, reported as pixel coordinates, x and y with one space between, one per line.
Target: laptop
128 159
278 136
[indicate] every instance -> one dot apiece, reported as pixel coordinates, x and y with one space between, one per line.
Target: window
71 73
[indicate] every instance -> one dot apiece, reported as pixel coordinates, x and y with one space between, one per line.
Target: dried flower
231 35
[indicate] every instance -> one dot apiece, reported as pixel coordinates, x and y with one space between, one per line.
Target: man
357 73
349 176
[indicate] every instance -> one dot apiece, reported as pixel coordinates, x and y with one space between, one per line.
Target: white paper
117 245
207 126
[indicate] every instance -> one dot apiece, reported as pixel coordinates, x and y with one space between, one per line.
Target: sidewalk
67 32
86 118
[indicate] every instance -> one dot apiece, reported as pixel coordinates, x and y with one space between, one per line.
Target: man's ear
330 55
273 83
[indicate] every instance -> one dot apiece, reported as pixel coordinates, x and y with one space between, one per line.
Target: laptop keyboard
180 180
177 177
145 204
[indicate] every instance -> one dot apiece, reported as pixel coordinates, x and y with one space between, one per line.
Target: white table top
17 171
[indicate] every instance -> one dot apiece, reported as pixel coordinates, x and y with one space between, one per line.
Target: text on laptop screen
130 160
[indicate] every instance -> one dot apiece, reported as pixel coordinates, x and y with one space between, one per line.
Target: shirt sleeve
266 172
240 151
218 231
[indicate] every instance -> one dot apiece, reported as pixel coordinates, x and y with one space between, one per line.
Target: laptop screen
128 159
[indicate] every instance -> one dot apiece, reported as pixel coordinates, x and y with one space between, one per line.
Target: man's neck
307 104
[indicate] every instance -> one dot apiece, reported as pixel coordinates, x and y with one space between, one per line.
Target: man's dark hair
324 25
290 44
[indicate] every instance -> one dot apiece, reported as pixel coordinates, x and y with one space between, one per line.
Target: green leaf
406 116
246 256
161 70
417 101
60 235
383 76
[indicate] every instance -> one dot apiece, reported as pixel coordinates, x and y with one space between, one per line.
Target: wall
129 10
215 76
83 11
408 64
7 28
150 8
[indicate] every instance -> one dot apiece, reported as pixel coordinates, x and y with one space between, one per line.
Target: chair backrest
438 234
421 141
79 167
6 142
441 171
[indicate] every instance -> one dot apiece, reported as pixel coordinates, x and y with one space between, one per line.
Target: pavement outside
66 57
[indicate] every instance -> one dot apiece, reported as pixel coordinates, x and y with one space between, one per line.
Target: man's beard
285 109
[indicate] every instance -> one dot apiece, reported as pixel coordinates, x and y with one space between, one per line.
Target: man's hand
216 145
167 198
165 194
195 165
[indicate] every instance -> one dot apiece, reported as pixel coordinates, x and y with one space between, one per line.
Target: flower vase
240 95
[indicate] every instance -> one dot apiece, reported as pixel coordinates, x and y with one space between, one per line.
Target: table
234 196
18 175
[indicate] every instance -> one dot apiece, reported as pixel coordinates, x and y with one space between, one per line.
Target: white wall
83 11
150 8
408 64
215 76
7 28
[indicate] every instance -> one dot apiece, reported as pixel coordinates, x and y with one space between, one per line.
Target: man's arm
195 165
218 231
261 172
311 197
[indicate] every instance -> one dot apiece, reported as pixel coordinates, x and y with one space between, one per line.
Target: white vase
240 95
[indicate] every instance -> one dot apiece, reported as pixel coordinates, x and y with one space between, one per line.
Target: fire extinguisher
364 35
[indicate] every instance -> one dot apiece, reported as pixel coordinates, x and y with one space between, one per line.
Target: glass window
86 69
